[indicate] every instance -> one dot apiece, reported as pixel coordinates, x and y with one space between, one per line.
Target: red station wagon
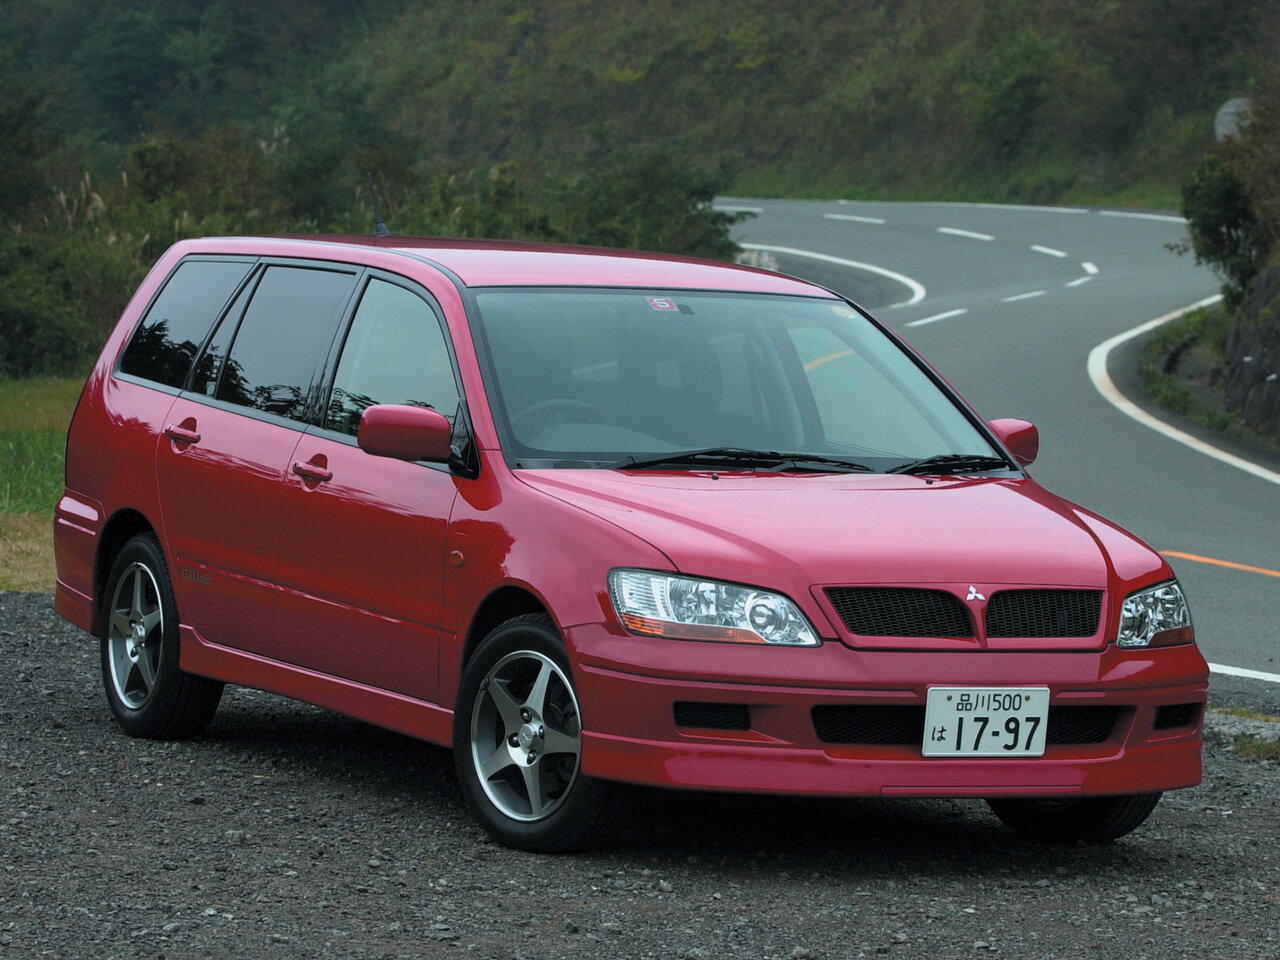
593 517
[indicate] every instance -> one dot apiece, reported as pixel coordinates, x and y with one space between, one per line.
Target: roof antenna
379 228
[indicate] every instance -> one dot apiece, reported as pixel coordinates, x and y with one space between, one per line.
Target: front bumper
644 703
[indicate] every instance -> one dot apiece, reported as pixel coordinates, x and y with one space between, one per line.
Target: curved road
1008 302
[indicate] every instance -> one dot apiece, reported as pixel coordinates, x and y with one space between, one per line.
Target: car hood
807 529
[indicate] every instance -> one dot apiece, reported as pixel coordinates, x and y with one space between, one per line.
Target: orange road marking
813 364
1222 563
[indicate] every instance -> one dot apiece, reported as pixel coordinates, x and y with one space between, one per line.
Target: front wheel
517 743
1087 819
149 695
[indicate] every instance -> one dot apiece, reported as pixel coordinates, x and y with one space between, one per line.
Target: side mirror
1020 438
403 432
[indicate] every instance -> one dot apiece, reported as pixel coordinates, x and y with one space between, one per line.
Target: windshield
607 377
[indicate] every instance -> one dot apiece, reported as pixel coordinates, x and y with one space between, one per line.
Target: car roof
485 263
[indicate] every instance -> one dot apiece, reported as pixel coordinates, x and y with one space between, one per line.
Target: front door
362 537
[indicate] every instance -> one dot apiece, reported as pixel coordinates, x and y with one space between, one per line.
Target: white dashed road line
1048 250
969 234
849 216
936 317
1024 296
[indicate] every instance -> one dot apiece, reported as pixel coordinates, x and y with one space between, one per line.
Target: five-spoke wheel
526 737
148 693
518 742
134 635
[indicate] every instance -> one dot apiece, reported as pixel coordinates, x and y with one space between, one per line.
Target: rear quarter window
180 318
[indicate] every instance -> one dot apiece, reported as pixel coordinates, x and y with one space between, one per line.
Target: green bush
1223 228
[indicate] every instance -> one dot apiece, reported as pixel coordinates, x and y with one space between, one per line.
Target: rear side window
288 325
179 320
395 353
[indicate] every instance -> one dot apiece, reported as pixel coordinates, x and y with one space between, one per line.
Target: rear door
361 537
227 446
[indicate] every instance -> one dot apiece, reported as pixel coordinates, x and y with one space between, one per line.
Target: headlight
683 608
1156 617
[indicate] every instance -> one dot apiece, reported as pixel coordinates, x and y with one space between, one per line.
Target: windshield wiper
769 460
949 463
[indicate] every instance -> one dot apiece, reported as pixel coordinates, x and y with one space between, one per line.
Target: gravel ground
290 831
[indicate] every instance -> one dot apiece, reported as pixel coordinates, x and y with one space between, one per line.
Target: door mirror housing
1019 437
404 432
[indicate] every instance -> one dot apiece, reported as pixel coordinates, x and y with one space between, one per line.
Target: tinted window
395 353
176 325
204 379
287 327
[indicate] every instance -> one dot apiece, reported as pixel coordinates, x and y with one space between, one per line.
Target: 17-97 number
1017 732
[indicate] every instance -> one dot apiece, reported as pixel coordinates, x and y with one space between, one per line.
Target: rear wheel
149 695
518 743
1088 819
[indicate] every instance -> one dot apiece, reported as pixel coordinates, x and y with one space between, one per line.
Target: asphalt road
1007 302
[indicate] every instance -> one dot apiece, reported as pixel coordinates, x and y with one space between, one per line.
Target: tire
517 743
1087 819
147 692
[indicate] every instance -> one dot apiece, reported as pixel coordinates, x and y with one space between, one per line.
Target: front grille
1174 715
900 612
713 716
903 724
1084 724
1044 613
881 725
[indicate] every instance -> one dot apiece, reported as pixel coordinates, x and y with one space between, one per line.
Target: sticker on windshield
662 303
840 310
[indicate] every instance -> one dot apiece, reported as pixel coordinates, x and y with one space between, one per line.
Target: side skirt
416 718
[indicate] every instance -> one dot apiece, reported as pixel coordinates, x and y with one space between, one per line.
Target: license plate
986 721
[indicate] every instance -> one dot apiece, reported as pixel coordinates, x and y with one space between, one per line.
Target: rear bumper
77 526
628 703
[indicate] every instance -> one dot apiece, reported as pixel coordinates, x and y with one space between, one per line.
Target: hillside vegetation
127 124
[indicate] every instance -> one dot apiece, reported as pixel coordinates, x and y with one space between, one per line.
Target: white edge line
937 316
1097 367
756 210
849 216
1141 216
1013 206
1089 268
1080 282
1048 250
916 288
1242 672
1024 296
954 232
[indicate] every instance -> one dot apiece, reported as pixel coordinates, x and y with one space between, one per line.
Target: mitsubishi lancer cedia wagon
595 518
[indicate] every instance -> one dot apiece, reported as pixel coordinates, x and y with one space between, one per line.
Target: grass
1248 714
1193 341
1256 748
33 430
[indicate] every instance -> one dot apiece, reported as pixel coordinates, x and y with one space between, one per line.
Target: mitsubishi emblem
974 594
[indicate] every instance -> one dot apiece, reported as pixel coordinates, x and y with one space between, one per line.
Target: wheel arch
123 526
497 608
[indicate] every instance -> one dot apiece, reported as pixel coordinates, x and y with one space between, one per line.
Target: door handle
182 433
312 472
